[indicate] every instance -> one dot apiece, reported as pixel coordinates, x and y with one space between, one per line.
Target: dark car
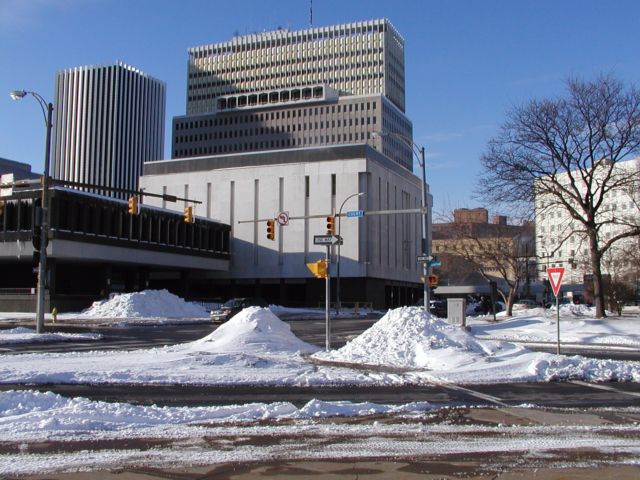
233 306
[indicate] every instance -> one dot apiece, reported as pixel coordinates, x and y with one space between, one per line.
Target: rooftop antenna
311 13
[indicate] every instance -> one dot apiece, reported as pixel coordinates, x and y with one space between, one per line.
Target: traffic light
133 206
188 215
271 229
433 280
319 268
331 225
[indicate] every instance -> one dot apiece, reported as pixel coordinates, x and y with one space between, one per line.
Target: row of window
219 121
274 130
291 76
264 41
272 144
235 87
207 70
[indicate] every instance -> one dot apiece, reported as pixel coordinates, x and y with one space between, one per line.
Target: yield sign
555 278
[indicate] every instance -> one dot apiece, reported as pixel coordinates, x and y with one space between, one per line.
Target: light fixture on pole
340 243
419 154
42 214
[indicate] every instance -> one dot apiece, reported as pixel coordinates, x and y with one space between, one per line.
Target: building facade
561 242
20 171
472 244
317 87
109 120
297 123
378 256
360 58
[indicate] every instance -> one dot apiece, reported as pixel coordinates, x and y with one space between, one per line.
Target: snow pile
572 310
28 335
29 415
148 303
560 367
408 337
253 329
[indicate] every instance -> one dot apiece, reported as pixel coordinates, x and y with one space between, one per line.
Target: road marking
473 393
604 387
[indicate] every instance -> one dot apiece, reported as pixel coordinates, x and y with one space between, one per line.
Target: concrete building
560 242
95 248
285 122
360 58
378 257
316 87
294 121
20 171
109 120
471 243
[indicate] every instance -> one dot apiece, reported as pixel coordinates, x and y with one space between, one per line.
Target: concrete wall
245 197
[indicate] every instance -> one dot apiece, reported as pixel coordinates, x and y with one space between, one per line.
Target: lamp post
340 243
41 216
419 154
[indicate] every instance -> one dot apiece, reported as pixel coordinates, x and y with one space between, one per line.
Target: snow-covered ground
406 346
257 348
46 433
577 325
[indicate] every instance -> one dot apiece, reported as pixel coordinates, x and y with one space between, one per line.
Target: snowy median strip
255 348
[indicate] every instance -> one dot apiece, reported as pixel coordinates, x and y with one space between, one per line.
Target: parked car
234 305
524 304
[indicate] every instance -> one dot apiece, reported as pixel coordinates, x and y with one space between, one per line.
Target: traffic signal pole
327 293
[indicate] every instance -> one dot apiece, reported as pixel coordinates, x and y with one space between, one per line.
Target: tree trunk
598 290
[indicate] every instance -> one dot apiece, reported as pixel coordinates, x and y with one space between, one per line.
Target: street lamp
41 215
340 243
419 154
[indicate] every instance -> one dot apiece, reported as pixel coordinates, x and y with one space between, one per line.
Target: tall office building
109 120
360 58
277 90
282 125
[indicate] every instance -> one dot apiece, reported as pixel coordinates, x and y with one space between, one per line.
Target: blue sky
467 62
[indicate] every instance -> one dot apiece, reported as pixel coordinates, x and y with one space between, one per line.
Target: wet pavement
449 443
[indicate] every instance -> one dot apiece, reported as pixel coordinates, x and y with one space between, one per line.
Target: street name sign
435 263
327 240
355 213
555 278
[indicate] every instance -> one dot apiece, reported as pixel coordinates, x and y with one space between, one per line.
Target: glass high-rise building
109 120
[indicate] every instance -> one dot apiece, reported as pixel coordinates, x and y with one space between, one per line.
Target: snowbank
29 415
253 329
419 343
408 337
148 303
28 335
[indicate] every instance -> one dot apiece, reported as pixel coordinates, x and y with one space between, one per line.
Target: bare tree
566 150
495 256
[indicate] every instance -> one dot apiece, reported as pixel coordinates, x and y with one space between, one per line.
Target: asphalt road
312 331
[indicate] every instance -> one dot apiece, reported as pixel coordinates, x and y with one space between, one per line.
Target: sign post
328 241
555 279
